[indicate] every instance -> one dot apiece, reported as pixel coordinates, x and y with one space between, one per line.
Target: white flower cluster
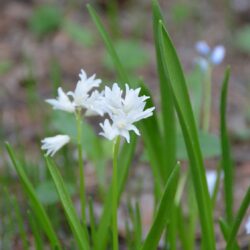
209 56
122 111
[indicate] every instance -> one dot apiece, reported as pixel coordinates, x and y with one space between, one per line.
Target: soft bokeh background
44 44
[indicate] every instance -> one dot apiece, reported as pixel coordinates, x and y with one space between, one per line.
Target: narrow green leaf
187 121
138 226
225 231
108 42
80 234
20 223
226 160
92 221
160 220
36 232
37 207
152 138
167 105
238 219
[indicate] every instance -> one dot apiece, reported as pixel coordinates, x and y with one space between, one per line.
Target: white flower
62 102
211 180
81 97
211 176
123 111
53 144
94 105
83 87
202 47
109 131
218 54
247 225
209 56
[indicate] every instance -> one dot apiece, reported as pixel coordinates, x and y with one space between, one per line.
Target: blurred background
44 44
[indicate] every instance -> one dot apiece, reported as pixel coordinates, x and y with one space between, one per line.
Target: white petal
247 226
203 63
53 144
218 54
202 48
62 102
126 135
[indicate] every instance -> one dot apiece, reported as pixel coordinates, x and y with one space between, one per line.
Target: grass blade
37 207
36 232
80 234
20 223
187 121
238 219
160 219
108 42
226 161
225 231
167 103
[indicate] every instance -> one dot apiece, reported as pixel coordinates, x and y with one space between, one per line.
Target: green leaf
45 19
160 220
47 194
152 138
130 52
36 205
78 33
227 163
80 233
168 144
109 45
186 117
36 232
20 222
242 39
225 229
237 221
209 143
226 160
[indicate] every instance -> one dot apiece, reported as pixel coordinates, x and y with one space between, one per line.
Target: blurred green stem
207 99
114 192
81 165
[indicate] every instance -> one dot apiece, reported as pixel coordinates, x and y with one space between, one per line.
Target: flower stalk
115 192
207 100
81 165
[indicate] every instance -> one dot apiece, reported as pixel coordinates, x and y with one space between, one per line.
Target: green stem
114 192
81 165
207 100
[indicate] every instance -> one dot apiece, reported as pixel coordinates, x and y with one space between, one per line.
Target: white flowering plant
126 110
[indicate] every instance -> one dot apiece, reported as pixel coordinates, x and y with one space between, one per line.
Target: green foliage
242 39
131 53
78 33
45 20
164 139
79 231
160 220
187 121
5 66
226 161
37 208
209 143
47 194
181 12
